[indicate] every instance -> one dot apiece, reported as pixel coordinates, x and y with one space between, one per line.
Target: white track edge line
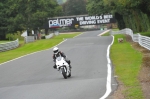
103 33
78 35
108 85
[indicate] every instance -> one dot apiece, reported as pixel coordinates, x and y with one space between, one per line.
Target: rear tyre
64 73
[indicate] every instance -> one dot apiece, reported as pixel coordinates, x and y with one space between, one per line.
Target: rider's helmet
55 50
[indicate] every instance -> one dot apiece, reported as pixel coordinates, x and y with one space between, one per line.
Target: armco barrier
144 41
9 45
52 34
29 39
49 36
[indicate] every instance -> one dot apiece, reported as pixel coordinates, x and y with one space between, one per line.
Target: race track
33 76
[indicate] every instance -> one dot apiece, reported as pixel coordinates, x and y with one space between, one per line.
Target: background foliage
61 1
134 14
19 15
74 7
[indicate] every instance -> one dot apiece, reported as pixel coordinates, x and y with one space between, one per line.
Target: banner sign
80 21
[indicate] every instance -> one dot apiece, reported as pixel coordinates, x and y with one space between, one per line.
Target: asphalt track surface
33 76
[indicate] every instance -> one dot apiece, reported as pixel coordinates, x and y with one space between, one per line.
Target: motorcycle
63 67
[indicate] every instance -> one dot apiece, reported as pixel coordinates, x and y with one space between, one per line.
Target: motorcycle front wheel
64 73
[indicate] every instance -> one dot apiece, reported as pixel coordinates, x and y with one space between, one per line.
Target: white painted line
32 53
58 44
108 85
78 35
103 33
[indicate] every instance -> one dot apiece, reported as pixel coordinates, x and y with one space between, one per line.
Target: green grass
115 29
4 41
33 47
127 62
145 33
106 34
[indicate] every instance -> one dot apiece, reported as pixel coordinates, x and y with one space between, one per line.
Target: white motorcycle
63 67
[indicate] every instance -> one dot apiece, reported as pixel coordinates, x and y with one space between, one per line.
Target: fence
32 38
51 35
9 45
144 41
29 39
14 44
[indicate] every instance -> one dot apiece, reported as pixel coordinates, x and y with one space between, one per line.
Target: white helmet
55 50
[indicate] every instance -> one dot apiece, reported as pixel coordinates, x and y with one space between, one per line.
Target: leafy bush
14 36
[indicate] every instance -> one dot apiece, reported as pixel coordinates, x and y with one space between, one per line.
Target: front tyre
64 73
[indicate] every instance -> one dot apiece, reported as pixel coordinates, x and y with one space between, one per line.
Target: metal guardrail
51 35
9 45
32 38
29 39
56 32
144 41
15 44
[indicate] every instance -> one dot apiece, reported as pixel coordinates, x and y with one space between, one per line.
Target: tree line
19 15
74 7
61 1
134 14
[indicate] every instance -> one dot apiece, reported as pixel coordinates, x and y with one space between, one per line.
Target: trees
132 14
74 7
96 7
3 18
28 14
61 1
34 13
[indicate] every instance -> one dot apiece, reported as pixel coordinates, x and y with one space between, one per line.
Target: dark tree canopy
61 1
134 14
18 15
74 7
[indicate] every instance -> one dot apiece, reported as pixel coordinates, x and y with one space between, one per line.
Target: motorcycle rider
56 54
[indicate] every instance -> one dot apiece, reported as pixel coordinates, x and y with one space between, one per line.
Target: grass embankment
34 47
3 42
127 62
145 34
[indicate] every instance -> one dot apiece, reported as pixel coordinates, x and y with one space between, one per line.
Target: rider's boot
54 67
70 66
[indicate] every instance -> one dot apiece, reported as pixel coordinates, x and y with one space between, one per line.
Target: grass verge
145 34
3 42
127 62
34 47
106 34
